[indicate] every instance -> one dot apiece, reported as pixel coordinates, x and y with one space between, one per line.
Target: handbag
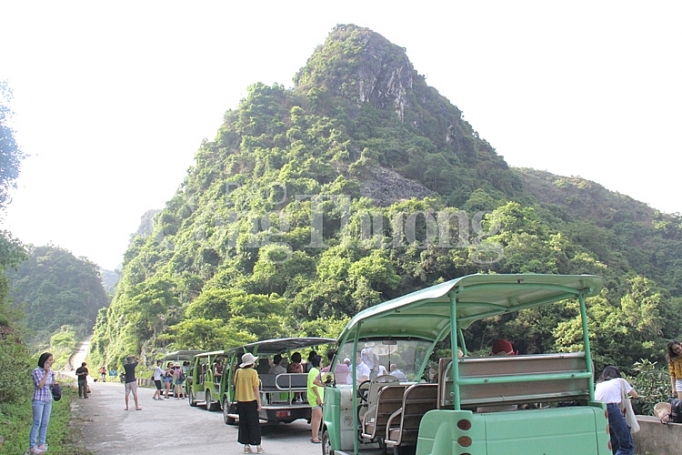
626 407
56 392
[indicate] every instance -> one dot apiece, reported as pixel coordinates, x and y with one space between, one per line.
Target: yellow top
245 379
675 367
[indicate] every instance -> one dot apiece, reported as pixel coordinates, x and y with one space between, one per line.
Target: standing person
315 397
43 379
246 393
103 373
158 372
168 378
82 375
178 378
610 389
674 355
131 382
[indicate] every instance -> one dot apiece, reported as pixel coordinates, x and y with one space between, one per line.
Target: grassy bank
15 425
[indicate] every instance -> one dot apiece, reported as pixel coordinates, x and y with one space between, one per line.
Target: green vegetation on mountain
13 381
54 289
360 184
15 359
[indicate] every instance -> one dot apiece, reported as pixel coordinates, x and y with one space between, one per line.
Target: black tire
326 443
207 397
213 405
226 410
190 398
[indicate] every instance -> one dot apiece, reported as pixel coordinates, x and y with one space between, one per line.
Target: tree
10 153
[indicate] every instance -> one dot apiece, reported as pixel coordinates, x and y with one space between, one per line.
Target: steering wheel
363 391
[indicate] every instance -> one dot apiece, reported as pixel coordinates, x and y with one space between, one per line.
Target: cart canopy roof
186 354
281 345
426 313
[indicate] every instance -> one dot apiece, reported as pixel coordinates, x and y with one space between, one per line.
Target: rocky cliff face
376 71
386 187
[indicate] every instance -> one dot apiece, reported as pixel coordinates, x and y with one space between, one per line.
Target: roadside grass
15 425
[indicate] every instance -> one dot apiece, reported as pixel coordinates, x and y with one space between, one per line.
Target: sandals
315 442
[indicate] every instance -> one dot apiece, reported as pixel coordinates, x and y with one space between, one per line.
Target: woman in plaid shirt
43 378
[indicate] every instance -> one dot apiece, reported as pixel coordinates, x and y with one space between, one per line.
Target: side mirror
328 379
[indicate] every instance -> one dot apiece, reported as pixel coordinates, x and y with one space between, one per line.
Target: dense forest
53 288
362 183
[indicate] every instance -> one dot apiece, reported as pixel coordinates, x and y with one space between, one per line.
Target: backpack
182 376
676 410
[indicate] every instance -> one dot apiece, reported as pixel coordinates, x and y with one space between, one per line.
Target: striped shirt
44 393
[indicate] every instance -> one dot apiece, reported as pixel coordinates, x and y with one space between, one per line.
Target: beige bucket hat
662 411
248 359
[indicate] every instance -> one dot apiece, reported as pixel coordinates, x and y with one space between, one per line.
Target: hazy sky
112 99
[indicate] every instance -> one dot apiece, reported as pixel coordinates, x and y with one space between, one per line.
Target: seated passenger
276 368
362 371
341 370
295 364
217 371
395 372
503 347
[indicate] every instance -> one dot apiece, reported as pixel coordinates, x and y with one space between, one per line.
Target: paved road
171 427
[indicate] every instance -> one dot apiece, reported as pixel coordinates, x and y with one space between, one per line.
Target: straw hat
662 411
248 359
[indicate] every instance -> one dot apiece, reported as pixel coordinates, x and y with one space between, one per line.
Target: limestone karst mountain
362 183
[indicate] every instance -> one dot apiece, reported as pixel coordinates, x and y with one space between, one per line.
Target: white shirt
158 371
277 369
362 370
610 391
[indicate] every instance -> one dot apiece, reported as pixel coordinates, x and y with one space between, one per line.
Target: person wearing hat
131 383
247 395
610 389
503 347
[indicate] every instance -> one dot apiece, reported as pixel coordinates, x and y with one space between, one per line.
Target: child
674 355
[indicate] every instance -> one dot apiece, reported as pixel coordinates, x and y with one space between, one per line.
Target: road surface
168 427
171 427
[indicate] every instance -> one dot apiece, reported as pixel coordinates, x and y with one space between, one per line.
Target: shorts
131 387
678 385
157 383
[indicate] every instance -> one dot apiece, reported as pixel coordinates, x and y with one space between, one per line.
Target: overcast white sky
112 99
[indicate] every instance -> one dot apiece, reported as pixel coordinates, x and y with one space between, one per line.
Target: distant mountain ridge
362 183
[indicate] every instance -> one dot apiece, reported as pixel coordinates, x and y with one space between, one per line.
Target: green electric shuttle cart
211 378
510 405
